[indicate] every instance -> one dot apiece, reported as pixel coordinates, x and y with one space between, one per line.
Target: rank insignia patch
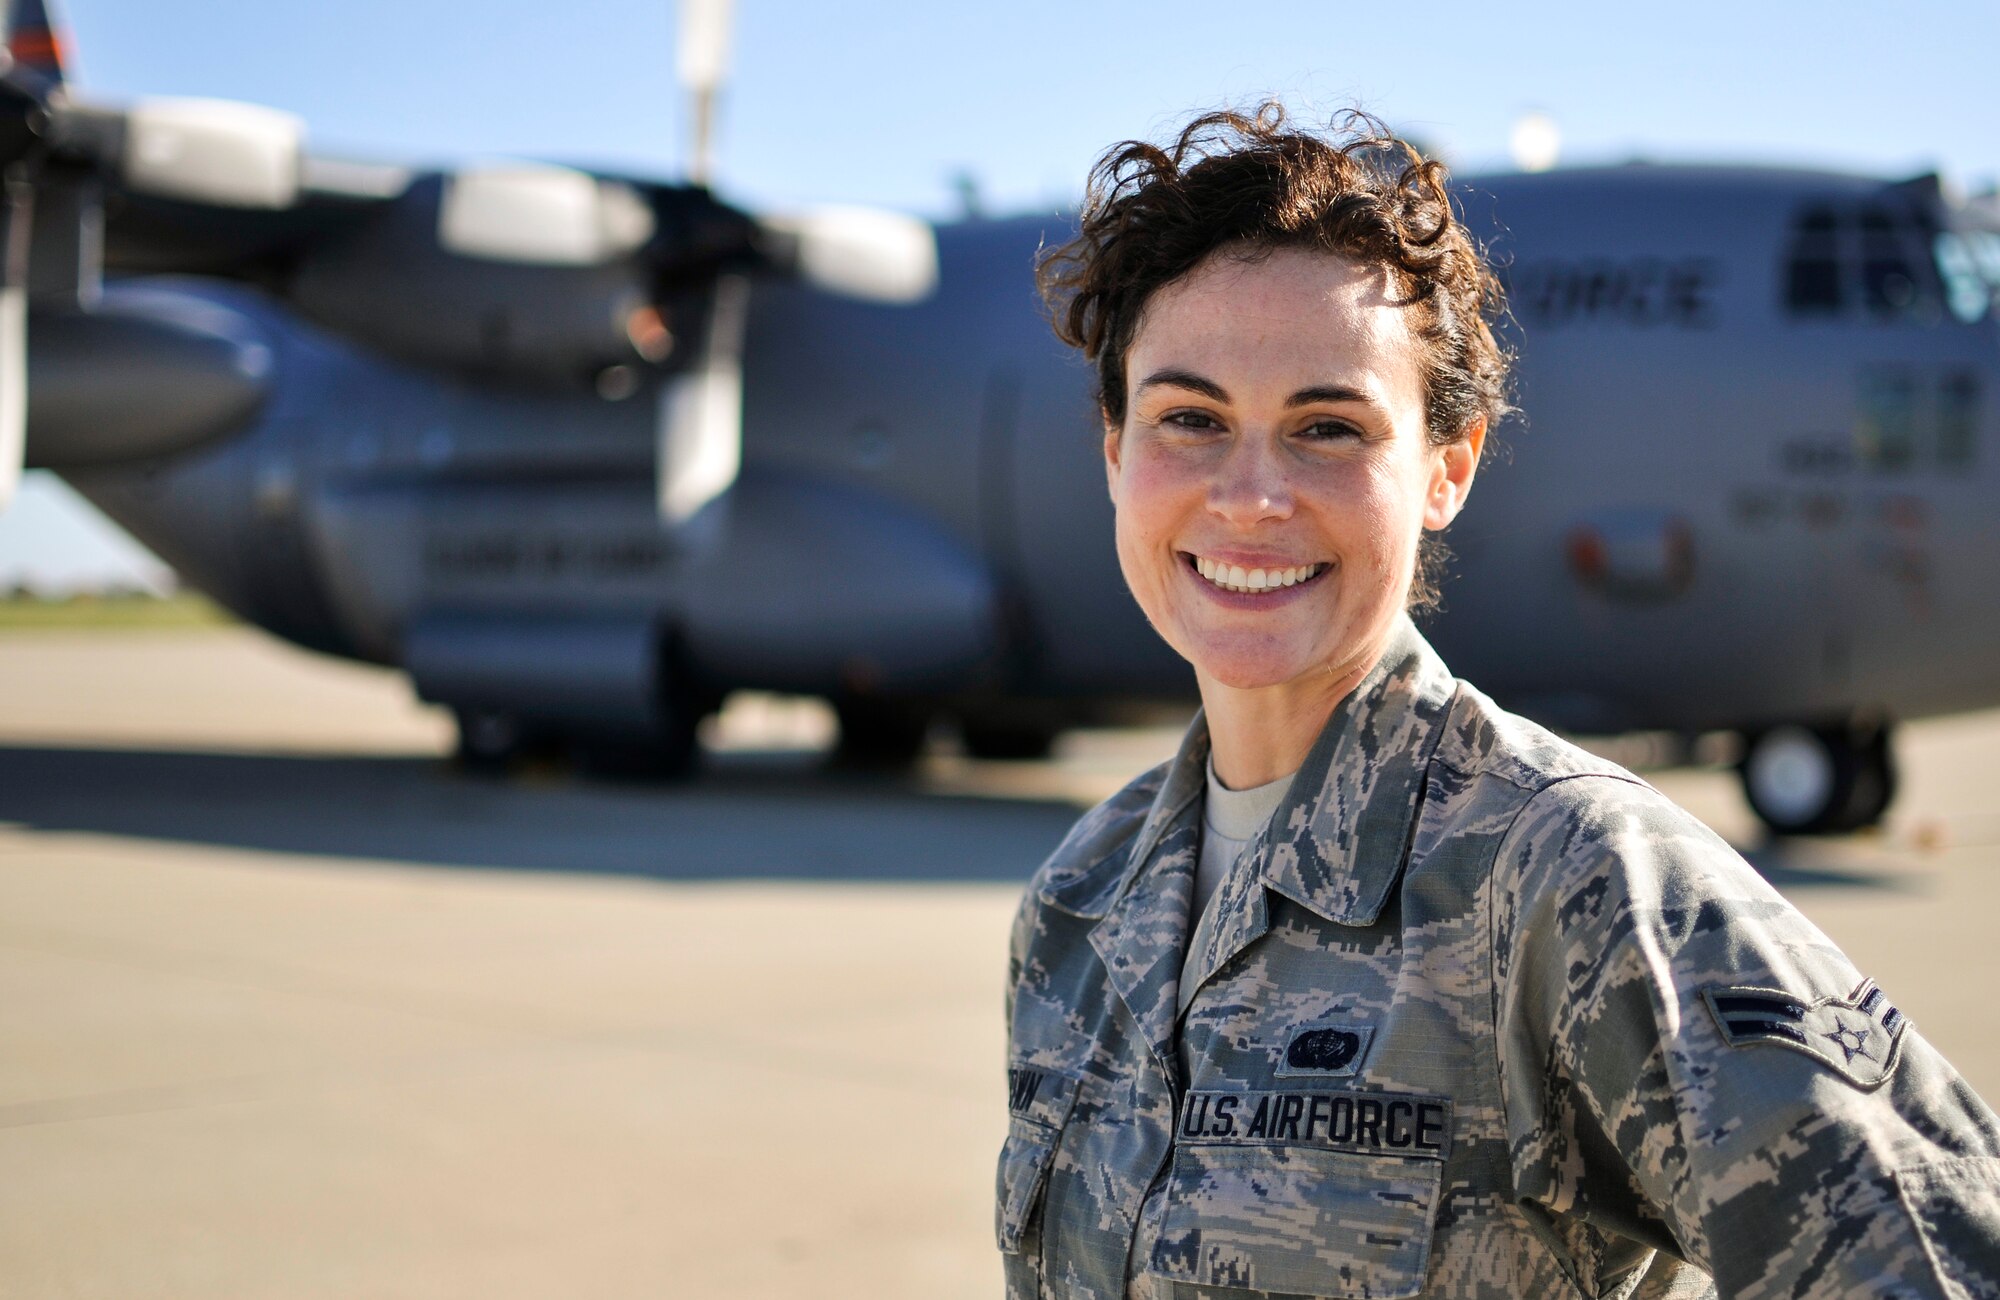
1858 1035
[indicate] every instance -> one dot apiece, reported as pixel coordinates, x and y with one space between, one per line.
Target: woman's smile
1252 578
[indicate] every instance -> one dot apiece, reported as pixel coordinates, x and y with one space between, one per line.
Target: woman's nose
1251 486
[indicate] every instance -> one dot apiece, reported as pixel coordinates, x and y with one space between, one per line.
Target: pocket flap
1038 1102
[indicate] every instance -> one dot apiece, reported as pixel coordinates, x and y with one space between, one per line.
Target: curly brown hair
1249 183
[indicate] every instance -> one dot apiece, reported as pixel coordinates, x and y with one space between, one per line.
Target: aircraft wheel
488 740
650 759
997 738
1819 780
671 751
880 734
1874 785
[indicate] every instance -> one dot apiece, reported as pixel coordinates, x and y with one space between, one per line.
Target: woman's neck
1258 734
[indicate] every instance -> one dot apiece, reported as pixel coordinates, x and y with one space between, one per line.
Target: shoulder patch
1858 1036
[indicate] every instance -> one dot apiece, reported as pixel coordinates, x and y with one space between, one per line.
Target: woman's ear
1112 450
1451 475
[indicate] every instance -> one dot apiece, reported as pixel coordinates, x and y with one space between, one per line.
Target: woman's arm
1687 1062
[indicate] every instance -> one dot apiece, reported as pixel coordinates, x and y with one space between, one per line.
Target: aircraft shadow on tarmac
775 822
752 820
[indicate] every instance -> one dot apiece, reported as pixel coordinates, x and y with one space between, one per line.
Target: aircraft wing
529 272
146 233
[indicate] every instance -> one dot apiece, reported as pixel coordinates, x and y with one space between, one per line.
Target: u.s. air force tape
1371 1123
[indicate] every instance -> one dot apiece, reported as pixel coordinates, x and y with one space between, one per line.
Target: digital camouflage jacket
1479 1015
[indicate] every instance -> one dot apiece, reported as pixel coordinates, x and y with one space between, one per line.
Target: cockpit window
1968 262
1888 271
1878 260
1812 285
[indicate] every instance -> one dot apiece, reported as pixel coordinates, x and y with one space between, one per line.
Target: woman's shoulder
1567 820
1517 779
1484 740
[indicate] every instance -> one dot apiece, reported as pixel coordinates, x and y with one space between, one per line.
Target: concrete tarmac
290 1008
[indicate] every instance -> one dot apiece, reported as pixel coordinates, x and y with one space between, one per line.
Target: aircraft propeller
541 214
861 253
198 150
178 158
21 124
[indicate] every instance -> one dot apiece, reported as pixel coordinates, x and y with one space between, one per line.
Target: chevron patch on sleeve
1857 1036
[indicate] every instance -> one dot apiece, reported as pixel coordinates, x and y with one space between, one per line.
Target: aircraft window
1958 420
1968 262
1885 430
1888 274
1812 277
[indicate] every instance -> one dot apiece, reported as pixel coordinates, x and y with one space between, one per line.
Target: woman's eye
1196 420
1330 429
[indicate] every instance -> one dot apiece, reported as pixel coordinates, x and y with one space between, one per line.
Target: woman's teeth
1234 577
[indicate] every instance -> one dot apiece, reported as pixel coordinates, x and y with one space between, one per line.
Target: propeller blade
16 216
862 253
701 61
700 429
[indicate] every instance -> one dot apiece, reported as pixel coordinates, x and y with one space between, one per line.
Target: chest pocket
1038 1104
1299 1218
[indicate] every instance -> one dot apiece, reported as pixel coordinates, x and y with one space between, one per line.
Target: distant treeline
117 607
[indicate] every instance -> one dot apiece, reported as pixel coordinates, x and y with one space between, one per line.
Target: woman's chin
1253 672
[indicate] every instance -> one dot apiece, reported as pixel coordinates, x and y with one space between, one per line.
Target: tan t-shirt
1230 820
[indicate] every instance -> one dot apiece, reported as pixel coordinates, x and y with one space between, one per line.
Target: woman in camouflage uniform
1376 989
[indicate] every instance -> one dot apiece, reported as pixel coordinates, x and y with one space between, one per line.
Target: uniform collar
1339 839
1338 842
1102 874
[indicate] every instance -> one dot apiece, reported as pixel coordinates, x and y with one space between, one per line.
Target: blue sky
877 102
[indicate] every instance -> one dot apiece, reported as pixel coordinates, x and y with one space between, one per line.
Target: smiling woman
1276 429
1376 989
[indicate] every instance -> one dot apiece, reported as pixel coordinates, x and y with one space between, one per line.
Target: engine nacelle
395 284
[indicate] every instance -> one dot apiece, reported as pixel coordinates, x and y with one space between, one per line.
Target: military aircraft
582 453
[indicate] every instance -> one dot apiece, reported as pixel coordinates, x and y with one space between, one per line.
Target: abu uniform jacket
1479 1015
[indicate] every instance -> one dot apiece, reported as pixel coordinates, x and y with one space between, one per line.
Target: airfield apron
1478 1016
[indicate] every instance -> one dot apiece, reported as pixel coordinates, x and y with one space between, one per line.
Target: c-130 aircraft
583 453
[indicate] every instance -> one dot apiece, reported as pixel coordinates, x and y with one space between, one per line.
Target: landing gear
645 759
1819 780
489 740
493 742
1006 738
880 735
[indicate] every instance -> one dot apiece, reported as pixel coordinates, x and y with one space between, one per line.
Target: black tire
669 751
489 740
1824 780
639 759
1004 739
1873 787
880 735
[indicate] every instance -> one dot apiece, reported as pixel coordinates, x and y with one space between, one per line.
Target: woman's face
1272 474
